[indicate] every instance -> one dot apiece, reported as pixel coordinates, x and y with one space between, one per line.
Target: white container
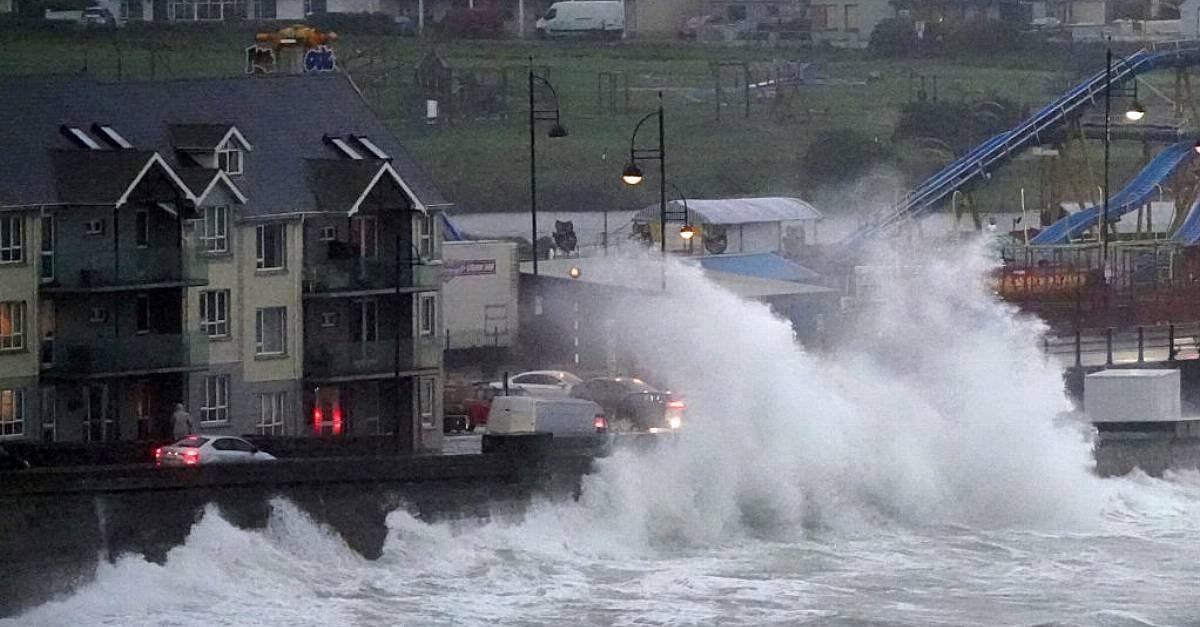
1132 395
559 416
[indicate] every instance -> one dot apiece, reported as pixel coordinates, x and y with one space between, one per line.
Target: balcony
161 269
361 360
136 354
359 276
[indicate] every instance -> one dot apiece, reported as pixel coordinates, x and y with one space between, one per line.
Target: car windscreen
192 442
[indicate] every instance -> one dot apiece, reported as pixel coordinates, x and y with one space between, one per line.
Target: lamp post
632 175
1134 113
556 131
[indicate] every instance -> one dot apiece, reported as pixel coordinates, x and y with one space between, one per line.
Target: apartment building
260 250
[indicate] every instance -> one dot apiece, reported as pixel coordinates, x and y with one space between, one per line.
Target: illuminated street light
632 174
574 272
1136 112
687 232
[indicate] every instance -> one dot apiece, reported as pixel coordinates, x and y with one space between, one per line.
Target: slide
993 153
1189 232
1135 194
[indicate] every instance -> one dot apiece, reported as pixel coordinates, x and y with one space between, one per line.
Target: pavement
462 443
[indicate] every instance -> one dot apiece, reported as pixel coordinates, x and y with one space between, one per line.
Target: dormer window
229 160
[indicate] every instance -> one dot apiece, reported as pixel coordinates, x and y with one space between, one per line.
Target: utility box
1132 395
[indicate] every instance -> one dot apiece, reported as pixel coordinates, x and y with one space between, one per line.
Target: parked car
98 16
202 450
631 404
540 383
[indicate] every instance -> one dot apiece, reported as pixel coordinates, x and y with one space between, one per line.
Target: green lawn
482 163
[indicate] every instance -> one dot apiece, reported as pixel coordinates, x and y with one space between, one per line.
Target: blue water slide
1189 232
996 151
1134 195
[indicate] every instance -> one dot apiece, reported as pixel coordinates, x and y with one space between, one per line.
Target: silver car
202 450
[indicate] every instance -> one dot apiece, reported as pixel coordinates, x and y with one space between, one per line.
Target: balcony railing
135 353
368 274
134 272
328 360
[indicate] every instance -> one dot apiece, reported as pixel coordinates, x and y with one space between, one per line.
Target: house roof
738 210
284 118
108 177
197 136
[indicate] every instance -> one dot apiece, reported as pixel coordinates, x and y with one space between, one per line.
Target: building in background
235 245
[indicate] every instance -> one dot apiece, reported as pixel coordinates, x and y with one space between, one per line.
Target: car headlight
675 422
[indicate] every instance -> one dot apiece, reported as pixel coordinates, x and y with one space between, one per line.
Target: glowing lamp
574 272
687 232
1136 112
632 174
1196 148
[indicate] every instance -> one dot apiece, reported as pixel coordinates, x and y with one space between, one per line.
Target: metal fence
1110 346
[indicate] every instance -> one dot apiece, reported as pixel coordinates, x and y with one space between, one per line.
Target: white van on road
603 18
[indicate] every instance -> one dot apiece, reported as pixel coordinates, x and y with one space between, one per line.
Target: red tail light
337 420
317 419
191 457
676 404
158 454
600 423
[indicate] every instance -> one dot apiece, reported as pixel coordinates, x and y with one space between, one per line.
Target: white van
561 417
583 17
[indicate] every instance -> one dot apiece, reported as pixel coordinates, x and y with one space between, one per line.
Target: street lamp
687 232
632 175
1135 112
556 131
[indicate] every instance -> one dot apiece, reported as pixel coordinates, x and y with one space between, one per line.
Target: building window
142 228
269 249
94 227
216 400
131 10
366 324
11 239
12 413
428 314
270 331
365 236
329 319
143 313
425 239
214 237
328 234
98 315
270 413
229 161
427 388
49 415
12 325
264 9
214 313
47 249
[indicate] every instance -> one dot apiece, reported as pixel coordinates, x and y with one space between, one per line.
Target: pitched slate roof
198 136
284 118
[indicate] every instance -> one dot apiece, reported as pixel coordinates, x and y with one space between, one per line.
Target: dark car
632 404
11 461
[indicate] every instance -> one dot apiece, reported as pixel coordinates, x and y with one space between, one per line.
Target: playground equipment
291 50
979 163
1137 192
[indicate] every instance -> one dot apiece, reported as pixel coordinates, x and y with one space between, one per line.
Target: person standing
181 422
